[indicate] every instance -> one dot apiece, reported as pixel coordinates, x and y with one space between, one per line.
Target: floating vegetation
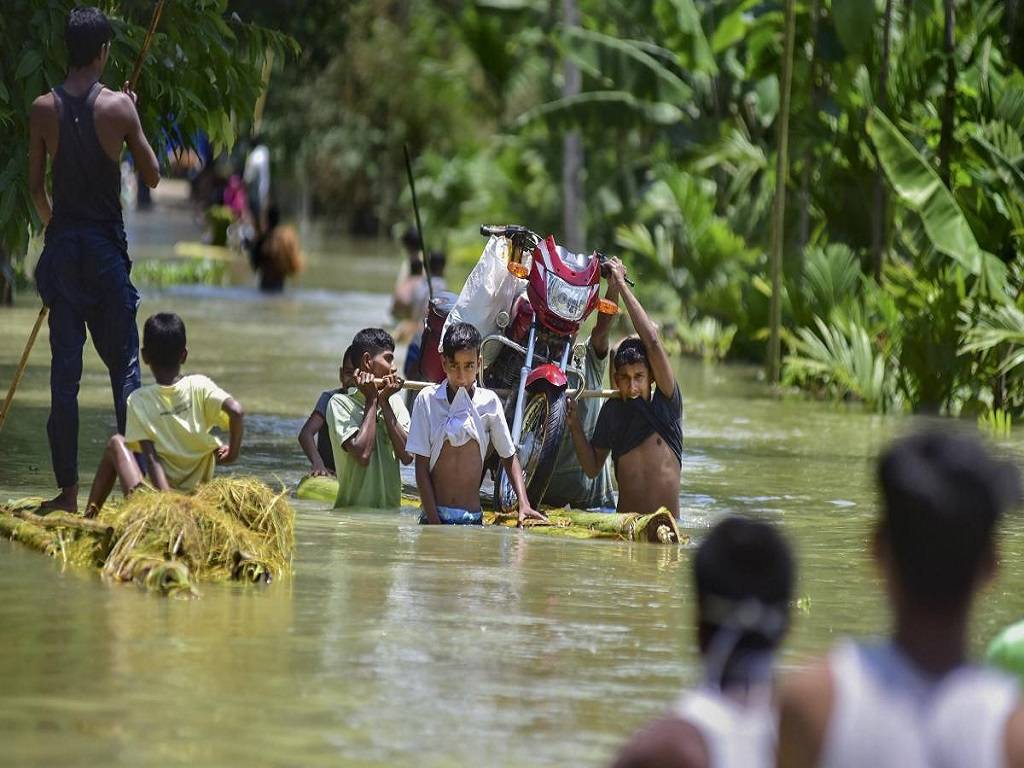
996 423
658 528
161 273
233 528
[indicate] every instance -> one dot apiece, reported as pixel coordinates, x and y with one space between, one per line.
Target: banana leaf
921 190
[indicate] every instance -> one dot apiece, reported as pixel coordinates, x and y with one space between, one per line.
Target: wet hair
458 337
86 32
437 263
163 339
372 341
630 350
744 562
942 496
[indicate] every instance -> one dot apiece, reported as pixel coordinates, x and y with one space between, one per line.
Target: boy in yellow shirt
169 422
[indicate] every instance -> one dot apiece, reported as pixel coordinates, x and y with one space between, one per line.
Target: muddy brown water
396 644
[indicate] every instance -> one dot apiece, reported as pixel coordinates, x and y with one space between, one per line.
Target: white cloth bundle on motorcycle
489 290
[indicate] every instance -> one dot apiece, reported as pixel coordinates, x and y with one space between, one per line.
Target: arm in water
515 475
307 439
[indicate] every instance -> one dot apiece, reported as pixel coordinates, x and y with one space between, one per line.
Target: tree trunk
572 149
804 227
779 211
881 202
949 100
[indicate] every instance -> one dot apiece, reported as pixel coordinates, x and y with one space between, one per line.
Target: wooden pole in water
23 363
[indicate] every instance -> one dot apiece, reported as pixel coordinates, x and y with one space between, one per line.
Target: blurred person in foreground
744 574
914 699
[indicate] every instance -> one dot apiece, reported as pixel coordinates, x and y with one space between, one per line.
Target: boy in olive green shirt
369 428
169 422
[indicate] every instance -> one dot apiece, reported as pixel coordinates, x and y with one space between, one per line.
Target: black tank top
86 182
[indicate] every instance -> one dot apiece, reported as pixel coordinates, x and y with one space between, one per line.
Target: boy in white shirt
454 424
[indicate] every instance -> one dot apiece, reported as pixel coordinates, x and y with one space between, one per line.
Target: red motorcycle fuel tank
563 286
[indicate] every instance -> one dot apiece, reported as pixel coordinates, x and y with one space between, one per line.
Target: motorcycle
534 365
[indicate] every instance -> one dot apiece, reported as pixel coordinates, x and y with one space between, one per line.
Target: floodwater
396 644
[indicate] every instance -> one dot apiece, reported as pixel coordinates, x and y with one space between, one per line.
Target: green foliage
203 73
163 273
996 423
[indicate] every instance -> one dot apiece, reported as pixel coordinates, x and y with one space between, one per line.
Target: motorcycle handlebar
503 230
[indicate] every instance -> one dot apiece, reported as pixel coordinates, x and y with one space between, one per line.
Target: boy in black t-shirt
642 429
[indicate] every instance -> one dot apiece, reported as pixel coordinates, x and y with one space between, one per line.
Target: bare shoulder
114 104
666 743
1015 738
44 108
805 707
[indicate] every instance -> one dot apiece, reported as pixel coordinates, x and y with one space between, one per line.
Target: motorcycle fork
524 373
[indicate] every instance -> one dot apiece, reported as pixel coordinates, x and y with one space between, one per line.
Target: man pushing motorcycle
643 427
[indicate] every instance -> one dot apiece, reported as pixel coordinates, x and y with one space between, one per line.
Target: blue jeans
83 277
456 516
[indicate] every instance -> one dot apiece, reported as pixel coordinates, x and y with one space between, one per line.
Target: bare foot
65 501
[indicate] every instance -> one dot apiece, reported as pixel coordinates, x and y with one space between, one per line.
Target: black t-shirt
624 424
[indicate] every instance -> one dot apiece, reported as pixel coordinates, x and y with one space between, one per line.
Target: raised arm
307 439
661 366
591 458
227 454
603 327
142 153
362 443
397 434
42 111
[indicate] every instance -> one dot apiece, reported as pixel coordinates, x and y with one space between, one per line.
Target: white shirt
889 714
436 421
736 734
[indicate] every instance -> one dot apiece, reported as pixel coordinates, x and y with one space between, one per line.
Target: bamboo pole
779 211
22 365
136 71
586 394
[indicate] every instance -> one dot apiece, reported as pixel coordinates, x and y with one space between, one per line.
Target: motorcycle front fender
549 374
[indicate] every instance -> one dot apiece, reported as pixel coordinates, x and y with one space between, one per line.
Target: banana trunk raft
658 528
232 528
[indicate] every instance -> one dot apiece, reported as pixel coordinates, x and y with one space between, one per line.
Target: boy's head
942 497
632 370
411 242
461 354
744 573
87 36
373 350
437 263
163 342
347 372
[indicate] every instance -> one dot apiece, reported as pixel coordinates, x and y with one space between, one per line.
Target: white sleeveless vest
888 714
737 734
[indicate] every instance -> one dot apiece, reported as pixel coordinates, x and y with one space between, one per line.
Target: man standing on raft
83 274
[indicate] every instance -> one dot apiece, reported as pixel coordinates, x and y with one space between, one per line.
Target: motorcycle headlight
567 301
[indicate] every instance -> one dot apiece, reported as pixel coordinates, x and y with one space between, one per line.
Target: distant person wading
83 274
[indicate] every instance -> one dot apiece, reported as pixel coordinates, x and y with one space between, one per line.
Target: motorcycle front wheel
543 425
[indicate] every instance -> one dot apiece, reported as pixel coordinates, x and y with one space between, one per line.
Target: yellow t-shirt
177 419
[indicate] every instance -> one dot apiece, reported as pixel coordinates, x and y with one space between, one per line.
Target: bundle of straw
231 528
